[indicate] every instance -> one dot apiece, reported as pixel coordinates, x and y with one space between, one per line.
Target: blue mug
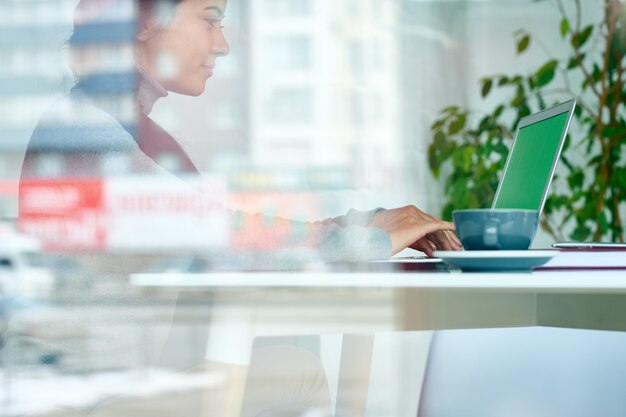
496 229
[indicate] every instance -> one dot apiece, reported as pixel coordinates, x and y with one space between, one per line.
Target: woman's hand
409 227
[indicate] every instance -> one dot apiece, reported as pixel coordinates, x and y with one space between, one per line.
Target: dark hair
90 31
148 8
87 12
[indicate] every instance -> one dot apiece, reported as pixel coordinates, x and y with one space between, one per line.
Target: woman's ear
154 17
147 28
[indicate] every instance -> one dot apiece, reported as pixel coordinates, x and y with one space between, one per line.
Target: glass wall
107 170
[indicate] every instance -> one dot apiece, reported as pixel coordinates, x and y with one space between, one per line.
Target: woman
176 48
177 45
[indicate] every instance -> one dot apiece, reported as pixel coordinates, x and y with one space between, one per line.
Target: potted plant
589 199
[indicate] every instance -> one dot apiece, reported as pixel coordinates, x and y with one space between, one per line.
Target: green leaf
519 99
433 164
578 195
618 45
585 85
438 124
504 80
484 124
548 206
439 140
450 110
591 126
438 151
597 73
576 179
459 194
619 177
524 111
564 27
483 150
617 182
446 213
560 201
566 160
596 160
542 101
578 111
473 201
580 233
573 62
546 73
457 125
523 43
486 88
588 211
589 147
462 158
603 223
613 96
612 131
580 38
501 149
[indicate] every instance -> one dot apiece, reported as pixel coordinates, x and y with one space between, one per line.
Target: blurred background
333 100
321 106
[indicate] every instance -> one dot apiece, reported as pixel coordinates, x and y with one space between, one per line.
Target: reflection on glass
320 106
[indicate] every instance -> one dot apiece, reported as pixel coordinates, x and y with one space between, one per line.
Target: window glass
319 107
288 7
290 105
289 53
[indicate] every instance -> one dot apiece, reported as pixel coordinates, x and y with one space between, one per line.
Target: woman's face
181 54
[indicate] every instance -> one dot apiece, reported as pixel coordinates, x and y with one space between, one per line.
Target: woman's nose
220 45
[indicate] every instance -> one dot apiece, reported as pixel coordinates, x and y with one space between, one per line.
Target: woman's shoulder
74 123
84 134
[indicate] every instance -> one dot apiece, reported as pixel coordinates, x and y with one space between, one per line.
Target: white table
592 299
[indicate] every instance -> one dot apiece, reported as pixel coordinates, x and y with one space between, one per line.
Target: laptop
532 161
535 154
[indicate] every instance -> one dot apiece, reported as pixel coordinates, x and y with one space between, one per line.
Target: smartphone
589 245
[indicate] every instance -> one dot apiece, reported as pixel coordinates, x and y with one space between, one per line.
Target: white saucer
496 260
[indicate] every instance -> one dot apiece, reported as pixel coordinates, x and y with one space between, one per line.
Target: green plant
589 201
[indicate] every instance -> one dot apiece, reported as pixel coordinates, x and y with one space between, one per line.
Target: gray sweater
74 126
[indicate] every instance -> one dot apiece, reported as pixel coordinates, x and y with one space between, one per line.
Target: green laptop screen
530 164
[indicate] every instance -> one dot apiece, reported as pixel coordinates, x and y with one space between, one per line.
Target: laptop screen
530 165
